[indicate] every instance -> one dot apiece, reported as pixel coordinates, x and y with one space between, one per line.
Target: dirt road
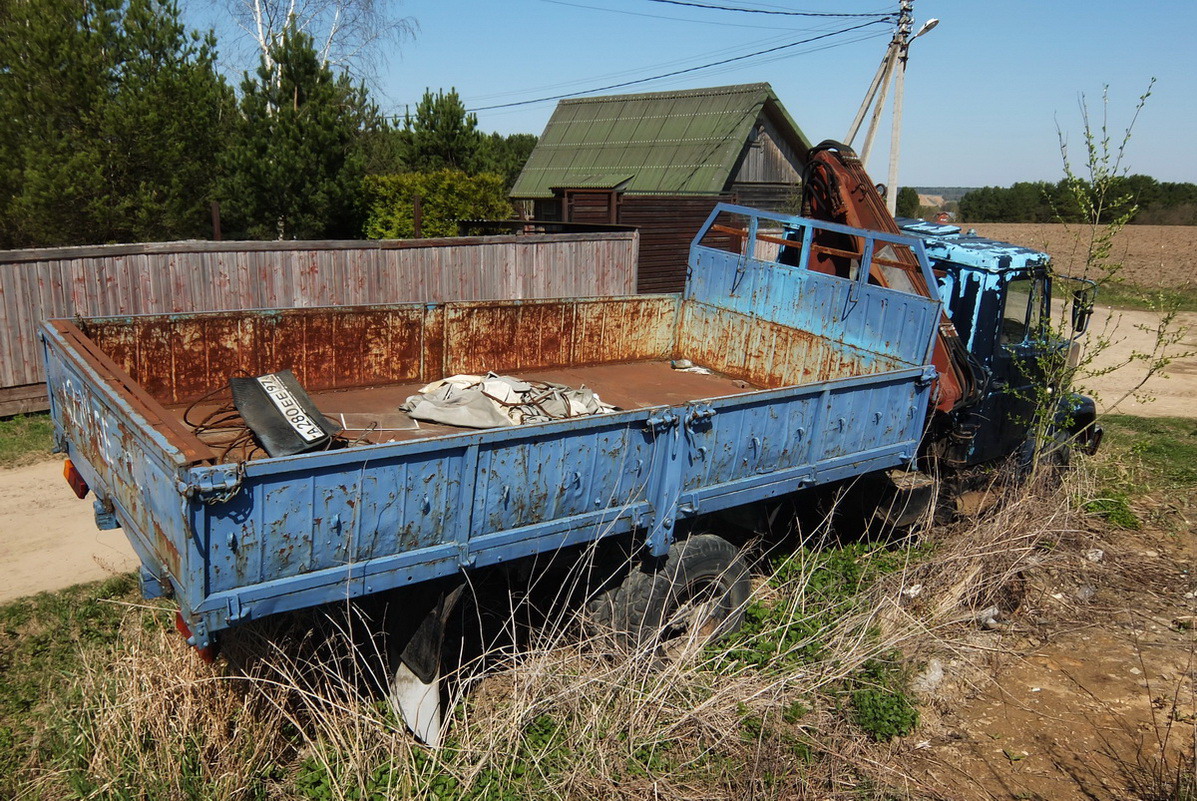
48 537
1129 332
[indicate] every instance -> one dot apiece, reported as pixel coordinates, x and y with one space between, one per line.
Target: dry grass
774 712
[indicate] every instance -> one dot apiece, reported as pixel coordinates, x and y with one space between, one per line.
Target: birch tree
346 34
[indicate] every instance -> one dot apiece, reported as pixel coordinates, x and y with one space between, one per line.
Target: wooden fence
109 280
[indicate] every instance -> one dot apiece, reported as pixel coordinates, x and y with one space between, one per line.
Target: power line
690 4
778 57
725 24
577 85
719 63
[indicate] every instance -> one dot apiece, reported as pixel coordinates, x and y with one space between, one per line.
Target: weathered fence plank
105 280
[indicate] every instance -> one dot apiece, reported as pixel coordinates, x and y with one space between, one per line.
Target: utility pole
893 66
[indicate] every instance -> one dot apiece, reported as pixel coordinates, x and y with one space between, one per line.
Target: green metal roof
659 142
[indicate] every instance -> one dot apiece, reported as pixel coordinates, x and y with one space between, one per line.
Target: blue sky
984 91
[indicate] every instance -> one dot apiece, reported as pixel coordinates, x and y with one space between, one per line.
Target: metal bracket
699 413
215 484
105 515
152 586
236 612
662 420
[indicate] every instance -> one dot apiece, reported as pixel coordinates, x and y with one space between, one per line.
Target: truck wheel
698 595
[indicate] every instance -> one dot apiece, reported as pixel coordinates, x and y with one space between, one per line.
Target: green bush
446 197
1114 507
880 703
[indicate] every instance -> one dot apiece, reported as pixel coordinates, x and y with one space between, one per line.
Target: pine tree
295 166
442 135
113 116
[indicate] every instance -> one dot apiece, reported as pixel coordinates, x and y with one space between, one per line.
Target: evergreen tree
295 167
442 135
506 155
113 116
908 202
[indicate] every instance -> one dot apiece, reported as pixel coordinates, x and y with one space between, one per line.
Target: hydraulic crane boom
837 189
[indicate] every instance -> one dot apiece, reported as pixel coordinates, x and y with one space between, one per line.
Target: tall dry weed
549 709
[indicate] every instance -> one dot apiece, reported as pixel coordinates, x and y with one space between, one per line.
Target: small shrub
1114 507
881 706
446 197
884 714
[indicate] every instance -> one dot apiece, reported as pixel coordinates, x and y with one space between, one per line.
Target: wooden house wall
667 224
769 159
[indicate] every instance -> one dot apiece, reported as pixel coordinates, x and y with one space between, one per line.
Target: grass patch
25 438
1163 449
1121 295
1142 456
43 643
1115 507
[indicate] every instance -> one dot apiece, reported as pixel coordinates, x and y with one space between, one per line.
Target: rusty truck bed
373 414
816 378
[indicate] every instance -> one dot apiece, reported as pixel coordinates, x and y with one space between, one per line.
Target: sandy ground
1095 694
48 537
1172 393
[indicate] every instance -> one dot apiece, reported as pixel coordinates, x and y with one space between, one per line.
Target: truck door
1018 366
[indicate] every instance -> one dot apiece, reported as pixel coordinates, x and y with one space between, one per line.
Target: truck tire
699 594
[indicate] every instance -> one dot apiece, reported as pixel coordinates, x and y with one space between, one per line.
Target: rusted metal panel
271 534
112 280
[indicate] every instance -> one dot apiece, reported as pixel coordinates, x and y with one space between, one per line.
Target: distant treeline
1157 203
948 193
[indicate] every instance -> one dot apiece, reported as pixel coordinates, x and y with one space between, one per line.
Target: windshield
1025 309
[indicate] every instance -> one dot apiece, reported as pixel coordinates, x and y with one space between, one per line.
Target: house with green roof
660 161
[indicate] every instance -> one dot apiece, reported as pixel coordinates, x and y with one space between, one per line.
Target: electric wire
625 12
714 7
685 71
667 82
662 66
215 421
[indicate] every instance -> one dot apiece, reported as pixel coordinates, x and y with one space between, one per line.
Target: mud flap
905 497
415 690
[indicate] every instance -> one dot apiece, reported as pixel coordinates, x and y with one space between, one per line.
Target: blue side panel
316 528
126 462
796 431
862 316
319 528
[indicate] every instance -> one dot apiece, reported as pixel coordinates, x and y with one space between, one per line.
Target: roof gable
667 142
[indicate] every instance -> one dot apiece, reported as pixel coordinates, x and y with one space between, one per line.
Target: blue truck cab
999 298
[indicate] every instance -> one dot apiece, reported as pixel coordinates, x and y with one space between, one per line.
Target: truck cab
999 298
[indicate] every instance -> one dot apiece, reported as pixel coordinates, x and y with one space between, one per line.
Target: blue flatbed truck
815 378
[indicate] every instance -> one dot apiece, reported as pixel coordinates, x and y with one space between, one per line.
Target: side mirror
1082 307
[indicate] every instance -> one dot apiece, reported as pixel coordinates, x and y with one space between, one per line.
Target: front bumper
1078 416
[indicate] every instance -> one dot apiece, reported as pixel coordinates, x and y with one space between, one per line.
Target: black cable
683 71
886 15
766 26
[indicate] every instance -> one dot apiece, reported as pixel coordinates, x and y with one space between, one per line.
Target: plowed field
1152 255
